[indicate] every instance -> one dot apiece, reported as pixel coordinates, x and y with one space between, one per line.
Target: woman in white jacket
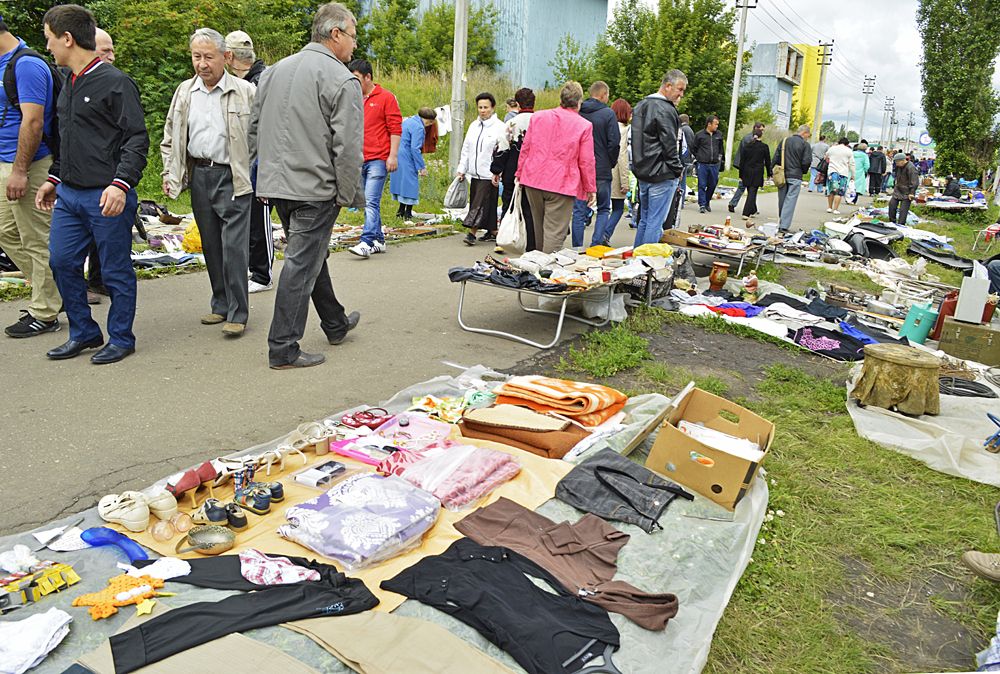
839 174
477 154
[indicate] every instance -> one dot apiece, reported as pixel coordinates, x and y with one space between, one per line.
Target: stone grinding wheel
901 378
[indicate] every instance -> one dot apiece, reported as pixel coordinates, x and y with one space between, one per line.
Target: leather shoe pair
112 353
353 319
304 360
72 349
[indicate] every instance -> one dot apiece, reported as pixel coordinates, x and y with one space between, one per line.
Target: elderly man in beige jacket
205 148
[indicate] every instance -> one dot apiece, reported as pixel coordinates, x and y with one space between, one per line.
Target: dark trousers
874 184
261 243
750 207
94 278
305 274
529 223
904 209
737 195
483 195
708 178
224 226
76 223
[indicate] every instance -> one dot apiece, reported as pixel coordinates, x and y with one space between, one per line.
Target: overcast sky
893 56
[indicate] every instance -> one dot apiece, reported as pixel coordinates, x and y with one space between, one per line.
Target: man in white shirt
205 148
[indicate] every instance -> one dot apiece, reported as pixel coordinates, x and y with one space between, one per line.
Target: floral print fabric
363 520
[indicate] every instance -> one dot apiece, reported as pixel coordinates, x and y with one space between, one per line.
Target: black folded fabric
775 298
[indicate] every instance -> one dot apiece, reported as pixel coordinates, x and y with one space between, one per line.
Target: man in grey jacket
797 157
307 130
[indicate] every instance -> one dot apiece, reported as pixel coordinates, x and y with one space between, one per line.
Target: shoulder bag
778 172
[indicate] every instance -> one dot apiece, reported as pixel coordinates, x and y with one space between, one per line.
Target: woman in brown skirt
477 154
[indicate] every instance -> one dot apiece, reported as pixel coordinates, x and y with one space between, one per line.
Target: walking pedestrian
876 167
95 283
620 180
755 161
507 157
607 147
687 140
818 152
242 61
656 160
474 164
861 165
103 145
708 153
25 157
738 158
794 154
383 129
907 179
512 109
205 148
556 166
841 160
307 131
404 182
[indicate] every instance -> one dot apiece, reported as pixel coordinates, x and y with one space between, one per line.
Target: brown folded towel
522 428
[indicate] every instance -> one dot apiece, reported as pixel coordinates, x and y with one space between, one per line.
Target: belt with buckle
207 162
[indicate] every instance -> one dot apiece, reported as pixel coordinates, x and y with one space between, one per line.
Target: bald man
105 46
95 284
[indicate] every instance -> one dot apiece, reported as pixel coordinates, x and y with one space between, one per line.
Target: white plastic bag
457 196
512 236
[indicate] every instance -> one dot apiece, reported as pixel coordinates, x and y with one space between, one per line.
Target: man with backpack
27 109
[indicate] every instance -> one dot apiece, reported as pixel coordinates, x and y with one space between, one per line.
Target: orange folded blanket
590 404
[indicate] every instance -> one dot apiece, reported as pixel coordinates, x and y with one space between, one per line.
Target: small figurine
750 283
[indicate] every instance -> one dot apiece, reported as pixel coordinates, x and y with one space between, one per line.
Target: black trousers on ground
261 243
483 195
224 225
305 275
904 209
750 205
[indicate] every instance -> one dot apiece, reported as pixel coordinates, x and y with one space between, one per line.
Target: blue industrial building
775 70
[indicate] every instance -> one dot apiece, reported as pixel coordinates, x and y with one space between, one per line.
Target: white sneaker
378 246
836 212
829 210
362 250
255 287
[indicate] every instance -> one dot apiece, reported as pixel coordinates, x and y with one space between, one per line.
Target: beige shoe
162 504
983 564
233 329
212 319
128 509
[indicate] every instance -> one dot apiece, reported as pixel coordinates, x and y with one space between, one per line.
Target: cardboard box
676 237
715 474
979 343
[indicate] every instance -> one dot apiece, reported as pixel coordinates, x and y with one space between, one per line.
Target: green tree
960 49
24 19
572 62
436 37
392 34
828 129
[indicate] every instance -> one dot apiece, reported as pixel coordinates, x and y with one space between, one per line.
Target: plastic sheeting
700 556
951 442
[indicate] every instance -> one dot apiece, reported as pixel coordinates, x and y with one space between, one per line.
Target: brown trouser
551 213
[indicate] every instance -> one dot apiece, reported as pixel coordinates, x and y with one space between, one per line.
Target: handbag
821 170
457 196
778 172
512 235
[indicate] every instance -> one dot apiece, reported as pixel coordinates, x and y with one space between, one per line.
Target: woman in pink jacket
557 166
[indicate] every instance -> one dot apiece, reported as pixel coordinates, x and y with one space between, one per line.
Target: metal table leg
517 338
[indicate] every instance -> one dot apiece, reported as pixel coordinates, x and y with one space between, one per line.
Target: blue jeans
76 222
373 175
737 195
708 178
580 209
617 211
654 204
788 194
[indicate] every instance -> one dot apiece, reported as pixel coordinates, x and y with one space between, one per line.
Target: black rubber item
964 388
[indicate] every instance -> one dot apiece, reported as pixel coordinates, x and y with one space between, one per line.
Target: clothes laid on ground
456 474
783 313
261 569
583 556
869 334
773 298
614 488
836 345
488 588
25 643
384 643
522 428
363 520
590 404
818 307
749 310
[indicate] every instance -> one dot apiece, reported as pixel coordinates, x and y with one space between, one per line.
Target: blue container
919 323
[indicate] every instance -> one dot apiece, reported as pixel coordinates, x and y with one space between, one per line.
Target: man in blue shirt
24 165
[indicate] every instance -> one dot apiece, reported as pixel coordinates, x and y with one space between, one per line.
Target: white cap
238 40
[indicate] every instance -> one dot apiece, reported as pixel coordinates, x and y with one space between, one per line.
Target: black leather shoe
732 209
112 353
353 319
304 360
72 349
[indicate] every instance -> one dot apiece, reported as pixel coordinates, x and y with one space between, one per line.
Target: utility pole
731 130
868 88
889 102
910 122
825 58
458 84
893 126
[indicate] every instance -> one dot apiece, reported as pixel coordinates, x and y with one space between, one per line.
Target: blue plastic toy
100 536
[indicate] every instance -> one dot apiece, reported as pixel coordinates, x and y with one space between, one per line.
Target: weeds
717 324
607 352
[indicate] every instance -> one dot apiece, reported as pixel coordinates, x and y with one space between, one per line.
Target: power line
804 22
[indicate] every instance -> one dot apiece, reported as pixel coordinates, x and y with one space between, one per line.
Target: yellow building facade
804 95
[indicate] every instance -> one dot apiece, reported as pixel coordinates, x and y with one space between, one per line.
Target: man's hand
45 197
166 188
112 201
17 185
422 172
392 163
591 199
495 180
460 176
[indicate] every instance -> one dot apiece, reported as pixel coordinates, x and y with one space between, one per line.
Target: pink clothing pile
263 569
457 475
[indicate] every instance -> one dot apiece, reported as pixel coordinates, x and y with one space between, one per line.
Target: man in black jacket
747 139
656 160
708 154
797 155
607 142
103 146
876 167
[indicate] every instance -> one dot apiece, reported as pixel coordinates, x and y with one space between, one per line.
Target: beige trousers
552 213
24 236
